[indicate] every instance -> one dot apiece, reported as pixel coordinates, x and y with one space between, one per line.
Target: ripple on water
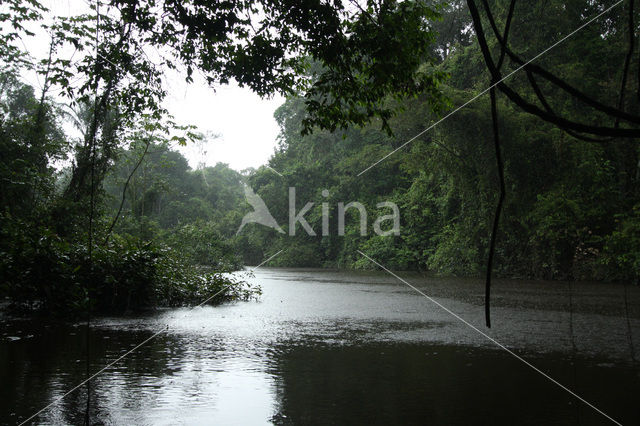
341 346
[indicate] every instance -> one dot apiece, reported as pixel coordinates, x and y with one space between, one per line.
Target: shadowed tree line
63 245
539 178
569 201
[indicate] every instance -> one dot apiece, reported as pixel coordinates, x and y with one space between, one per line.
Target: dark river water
323 347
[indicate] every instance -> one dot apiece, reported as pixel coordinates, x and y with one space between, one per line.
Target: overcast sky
243 120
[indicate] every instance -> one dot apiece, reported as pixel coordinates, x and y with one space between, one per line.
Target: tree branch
560 122
577 94
627 61
124 192
498 212
547 107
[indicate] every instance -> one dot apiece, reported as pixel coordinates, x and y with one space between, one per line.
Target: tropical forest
485 153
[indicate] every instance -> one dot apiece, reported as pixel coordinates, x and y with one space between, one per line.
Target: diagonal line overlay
130 351
497 343
571 34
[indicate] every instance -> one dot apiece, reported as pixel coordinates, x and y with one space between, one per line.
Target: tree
607 122
30 139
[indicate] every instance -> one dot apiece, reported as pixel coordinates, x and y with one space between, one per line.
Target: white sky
243 120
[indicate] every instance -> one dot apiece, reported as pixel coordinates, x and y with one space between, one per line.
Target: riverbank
337 347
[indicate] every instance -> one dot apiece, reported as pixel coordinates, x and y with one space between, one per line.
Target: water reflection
336 348
416 384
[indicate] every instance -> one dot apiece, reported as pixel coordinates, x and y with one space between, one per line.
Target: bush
200 243
41 271
622 248
180 283
455 253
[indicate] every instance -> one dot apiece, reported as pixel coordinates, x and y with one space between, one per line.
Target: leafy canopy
343 58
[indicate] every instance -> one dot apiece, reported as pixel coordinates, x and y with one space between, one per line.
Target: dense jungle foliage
115 219
572 208
45 261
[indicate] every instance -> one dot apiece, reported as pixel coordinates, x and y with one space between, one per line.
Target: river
329 347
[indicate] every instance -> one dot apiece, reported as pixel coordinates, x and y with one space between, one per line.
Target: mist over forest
438 164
